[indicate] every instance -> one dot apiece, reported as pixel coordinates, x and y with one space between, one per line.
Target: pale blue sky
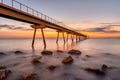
78 10
80 14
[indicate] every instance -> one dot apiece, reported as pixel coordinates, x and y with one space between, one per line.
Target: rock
18 52
104 67
29 76
25 76
107 53
60 51
96 71
1 53
51 67
2 67
2 75
74 52
67 60
4 72
84 59
35 60
88 56
47 52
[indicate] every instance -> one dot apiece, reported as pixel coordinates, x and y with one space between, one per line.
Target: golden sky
16 29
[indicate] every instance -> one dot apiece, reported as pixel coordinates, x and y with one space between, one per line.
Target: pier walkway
39 20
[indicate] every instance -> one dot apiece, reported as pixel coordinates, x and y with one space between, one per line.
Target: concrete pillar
63 37
79 38
43 38
34 38
72 37
57 36
76 37
67 37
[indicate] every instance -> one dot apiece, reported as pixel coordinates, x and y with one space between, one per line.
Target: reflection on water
59 46
67 46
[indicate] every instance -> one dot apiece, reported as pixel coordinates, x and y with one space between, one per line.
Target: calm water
102 51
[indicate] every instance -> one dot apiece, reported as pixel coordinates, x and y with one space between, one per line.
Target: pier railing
22 7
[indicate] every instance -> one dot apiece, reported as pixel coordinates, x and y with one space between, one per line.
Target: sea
95 54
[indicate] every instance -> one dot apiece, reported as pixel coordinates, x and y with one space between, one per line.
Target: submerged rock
96 71
1 53
29 77
107 53
51 67
2 67
88 56
67 60
104 67
4 72
35 60
18 52
74 52
47 52
60 51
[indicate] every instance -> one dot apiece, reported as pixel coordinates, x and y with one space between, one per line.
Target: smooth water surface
101 51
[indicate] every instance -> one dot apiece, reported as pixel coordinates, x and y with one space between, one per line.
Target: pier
38 21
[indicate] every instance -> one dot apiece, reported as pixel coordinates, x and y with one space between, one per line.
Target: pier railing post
34 38
57 36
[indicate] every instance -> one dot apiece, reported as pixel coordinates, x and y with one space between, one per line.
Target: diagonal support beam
57 36
63 37
72 37
76 38
79 38
34 38
43 38
67 37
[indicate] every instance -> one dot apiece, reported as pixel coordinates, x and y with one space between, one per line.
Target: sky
95 18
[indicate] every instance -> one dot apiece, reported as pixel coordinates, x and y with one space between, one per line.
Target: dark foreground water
101 51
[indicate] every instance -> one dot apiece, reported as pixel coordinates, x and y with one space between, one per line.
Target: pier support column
76 38
67 37
57 36
34 38
43 38
79 38
72 37
63 37
39 27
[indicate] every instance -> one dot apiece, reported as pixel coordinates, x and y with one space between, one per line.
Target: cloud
111 28
112 23
13 27
105 29
6 26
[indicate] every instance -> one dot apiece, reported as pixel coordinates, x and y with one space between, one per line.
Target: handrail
33 11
